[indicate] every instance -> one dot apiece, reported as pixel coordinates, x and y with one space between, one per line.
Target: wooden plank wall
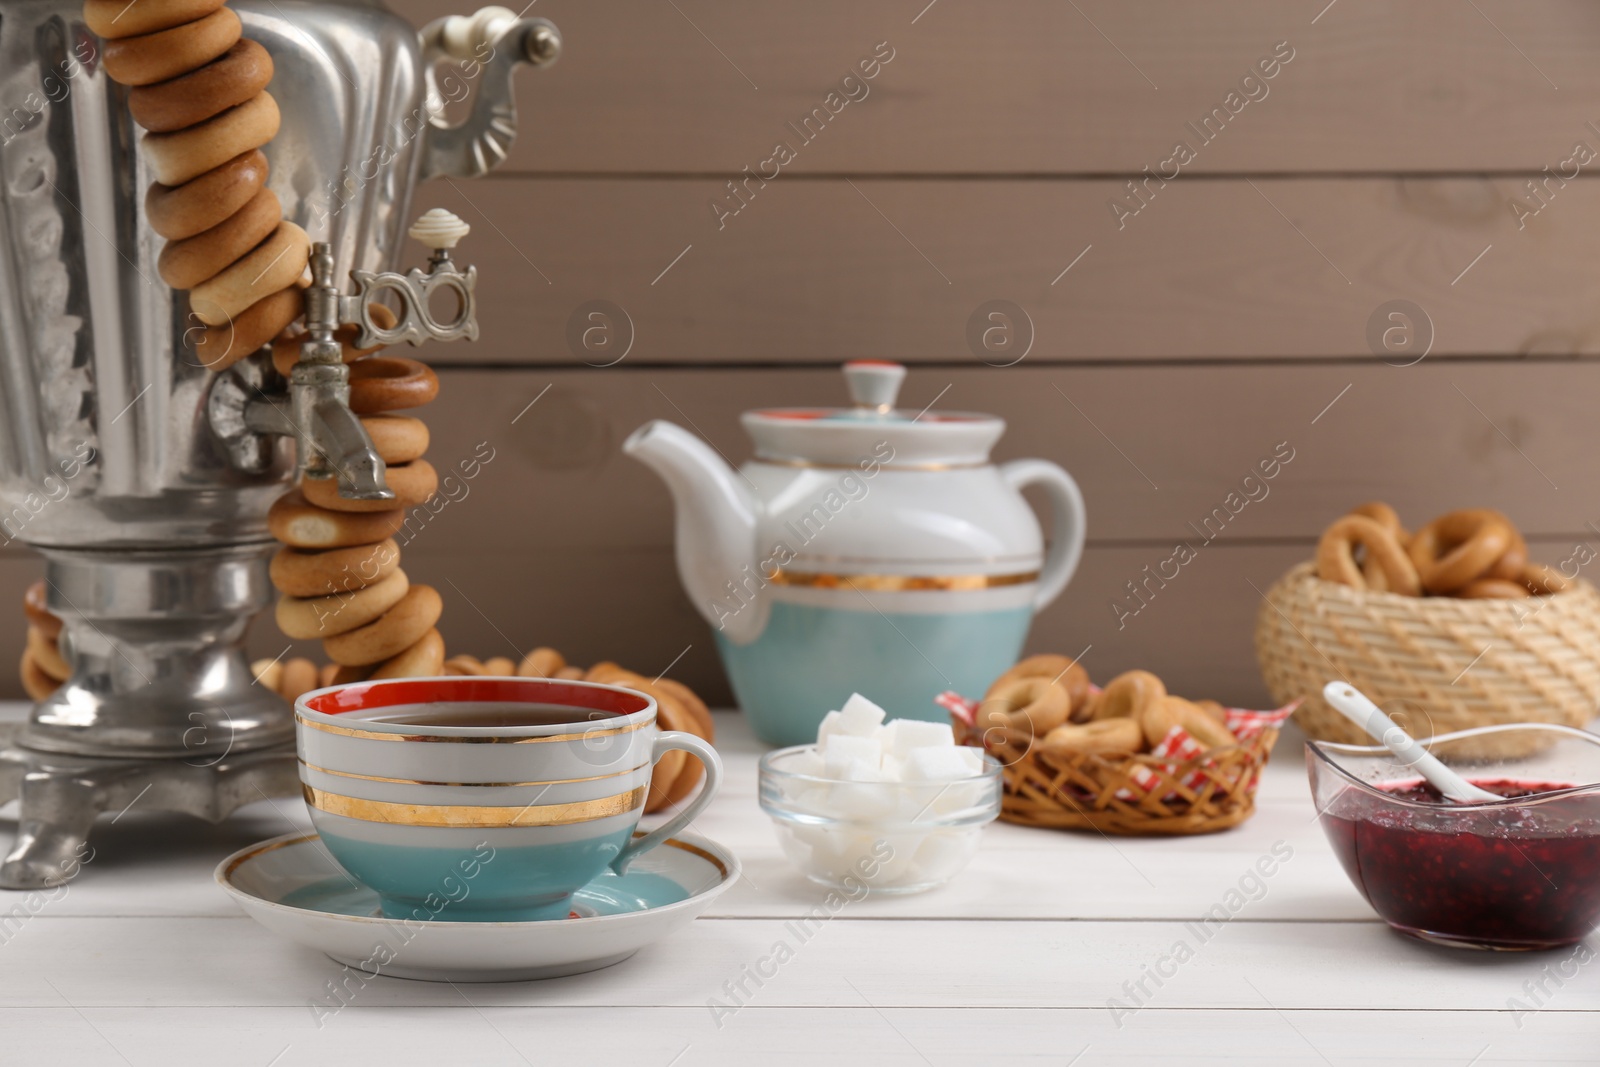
1174 341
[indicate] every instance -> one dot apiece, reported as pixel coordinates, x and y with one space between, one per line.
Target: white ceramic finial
467 37
439 228
874 383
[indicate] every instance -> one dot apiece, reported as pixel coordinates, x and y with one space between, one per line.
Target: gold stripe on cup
381 735
473 815
900 583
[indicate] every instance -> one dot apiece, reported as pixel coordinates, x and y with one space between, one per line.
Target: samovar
143 477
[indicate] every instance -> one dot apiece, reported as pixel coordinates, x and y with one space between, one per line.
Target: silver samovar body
136 471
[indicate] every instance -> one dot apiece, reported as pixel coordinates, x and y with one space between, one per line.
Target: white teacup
484 799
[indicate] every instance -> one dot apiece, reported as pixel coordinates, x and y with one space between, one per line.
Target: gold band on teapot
900 583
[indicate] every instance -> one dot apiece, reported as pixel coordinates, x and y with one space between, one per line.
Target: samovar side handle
490 46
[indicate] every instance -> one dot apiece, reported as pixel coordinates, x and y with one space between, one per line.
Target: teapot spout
716 527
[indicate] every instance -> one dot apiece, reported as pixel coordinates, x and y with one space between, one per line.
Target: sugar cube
903 735
807 761
844 749
831 725
862 801
936 764
860 716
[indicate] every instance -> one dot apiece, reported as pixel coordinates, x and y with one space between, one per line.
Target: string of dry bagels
200 90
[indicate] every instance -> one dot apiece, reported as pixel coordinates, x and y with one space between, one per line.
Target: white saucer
293 887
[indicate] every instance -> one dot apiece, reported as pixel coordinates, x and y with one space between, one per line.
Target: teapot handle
1069 524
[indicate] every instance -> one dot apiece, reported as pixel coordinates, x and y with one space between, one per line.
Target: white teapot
864 549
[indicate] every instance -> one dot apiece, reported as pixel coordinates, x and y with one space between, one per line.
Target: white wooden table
144 961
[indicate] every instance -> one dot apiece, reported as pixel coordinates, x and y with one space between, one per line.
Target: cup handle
700 750
1067 519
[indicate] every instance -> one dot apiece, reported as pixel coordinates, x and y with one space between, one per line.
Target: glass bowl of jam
1514 874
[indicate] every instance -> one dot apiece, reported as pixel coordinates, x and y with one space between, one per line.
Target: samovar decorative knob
440 231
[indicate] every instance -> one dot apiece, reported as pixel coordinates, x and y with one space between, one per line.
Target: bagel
387 383
391 633
47 655
1384 516
425 659
338 570
1336 556
116 19
1455 548
337 674
469 665
176 212
1128 694
185 264
413 483
1493 589
329 616
1102 737
177 157
397 438
1543 581
268 674
604 671
202 92
166 54
1159 718
570 674
499 667
273 265
34 606
1063 670
1025 707
541 663
693 704
302 525
37 684
1514 561
220 347
300 676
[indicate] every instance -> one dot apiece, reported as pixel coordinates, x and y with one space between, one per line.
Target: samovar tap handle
440 231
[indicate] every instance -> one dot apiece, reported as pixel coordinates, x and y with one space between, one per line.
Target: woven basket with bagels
1127 759
1447 628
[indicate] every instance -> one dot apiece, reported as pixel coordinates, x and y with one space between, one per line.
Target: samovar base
61 796
155 640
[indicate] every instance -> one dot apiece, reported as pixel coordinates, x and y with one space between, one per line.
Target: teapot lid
853 435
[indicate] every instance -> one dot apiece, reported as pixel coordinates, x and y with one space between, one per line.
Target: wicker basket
1436 664
1140 795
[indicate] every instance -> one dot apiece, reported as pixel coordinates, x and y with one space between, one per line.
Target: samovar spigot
331 440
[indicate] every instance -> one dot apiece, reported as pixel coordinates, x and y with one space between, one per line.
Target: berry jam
1511 877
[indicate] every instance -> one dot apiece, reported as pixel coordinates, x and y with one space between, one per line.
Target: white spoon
1354 705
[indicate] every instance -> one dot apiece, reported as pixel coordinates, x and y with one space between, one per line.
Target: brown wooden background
1224 318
